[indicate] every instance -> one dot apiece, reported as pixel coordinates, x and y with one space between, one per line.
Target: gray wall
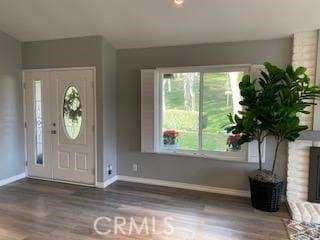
109 109
11 110
123 133
77 52
174 168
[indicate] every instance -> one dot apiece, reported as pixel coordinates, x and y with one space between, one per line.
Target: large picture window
194 104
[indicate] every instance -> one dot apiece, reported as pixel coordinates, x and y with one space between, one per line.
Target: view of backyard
181 96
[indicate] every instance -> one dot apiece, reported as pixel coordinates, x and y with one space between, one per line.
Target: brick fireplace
303 190
306 52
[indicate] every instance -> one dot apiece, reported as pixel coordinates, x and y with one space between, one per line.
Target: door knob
54 124
53 132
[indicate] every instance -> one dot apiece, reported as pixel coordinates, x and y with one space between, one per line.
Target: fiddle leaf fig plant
271 107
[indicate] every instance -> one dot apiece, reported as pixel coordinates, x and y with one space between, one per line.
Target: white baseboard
157 182
12 179
107 182
202 188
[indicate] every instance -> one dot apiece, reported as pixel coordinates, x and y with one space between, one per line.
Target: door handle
53 132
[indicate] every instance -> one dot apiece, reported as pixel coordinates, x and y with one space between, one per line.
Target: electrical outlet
135 167
109 169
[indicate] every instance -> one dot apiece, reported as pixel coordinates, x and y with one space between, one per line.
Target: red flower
233 138
170 133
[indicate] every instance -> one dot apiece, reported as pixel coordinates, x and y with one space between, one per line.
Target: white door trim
93 68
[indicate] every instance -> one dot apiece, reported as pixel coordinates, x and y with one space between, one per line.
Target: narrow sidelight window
38 122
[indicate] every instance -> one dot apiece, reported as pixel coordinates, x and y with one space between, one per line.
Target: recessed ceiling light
178 2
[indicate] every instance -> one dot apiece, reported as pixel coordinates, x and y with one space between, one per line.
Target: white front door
72 114
60 124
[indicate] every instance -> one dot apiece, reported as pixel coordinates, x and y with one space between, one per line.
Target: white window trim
241 156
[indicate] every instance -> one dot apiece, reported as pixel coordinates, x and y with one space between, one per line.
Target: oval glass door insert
72 112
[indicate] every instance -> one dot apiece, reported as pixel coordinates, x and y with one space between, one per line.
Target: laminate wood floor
42 210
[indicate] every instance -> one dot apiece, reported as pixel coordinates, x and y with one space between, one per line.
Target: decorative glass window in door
38 122
72 112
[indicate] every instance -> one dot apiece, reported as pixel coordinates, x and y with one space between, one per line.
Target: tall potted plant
271 107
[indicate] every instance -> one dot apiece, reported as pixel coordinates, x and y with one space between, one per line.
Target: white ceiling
147 23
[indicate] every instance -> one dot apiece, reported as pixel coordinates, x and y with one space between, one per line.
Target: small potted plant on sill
271 107
233 142
170 138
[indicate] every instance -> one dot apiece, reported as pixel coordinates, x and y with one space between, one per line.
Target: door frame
95 119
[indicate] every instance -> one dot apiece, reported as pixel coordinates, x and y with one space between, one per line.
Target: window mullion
200 112
158 110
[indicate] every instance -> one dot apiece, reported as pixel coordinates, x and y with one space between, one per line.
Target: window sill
220 156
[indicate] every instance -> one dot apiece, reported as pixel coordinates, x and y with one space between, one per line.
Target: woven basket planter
265 196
